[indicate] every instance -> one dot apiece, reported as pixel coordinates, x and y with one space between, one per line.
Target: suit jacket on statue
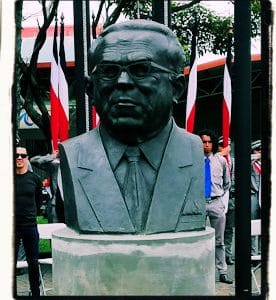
93 201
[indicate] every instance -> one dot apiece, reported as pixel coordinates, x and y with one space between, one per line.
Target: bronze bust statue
137 172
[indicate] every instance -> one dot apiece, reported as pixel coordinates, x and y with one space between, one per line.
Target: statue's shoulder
81 141
82 138
190 137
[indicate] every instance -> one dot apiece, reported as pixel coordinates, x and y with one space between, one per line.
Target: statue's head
135 74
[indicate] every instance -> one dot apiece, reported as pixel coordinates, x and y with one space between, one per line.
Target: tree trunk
16 91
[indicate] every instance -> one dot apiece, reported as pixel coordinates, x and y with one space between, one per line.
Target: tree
212 28
26 90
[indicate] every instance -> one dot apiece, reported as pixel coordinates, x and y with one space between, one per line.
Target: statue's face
137 98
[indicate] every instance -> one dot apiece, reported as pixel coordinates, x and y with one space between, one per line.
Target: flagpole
161 11
242 134
81 10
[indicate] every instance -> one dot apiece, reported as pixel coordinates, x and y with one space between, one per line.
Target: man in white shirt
217 184
230 201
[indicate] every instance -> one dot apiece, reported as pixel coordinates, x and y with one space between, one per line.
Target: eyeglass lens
112 71
137 70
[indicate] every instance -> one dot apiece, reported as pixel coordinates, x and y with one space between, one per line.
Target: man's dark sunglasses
22 155
137 70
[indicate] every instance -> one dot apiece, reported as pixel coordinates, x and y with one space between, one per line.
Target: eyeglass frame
125 68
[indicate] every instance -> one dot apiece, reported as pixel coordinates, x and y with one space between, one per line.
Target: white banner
25 122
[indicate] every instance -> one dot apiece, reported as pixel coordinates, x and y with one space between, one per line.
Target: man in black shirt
28 196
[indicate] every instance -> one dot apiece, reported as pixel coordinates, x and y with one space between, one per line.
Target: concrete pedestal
160 264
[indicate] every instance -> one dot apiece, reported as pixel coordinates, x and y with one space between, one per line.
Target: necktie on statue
135 191
207 178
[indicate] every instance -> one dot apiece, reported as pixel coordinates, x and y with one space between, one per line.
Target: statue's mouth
126 104
124 101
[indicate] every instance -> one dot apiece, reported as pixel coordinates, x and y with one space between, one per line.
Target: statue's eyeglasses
137 70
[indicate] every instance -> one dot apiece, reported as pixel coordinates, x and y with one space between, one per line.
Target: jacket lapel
172 184
100 186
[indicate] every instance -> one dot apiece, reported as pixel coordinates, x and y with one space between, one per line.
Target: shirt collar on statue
153 149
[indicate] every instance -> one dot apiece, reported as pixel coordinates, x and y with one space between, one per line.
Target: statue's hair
175 53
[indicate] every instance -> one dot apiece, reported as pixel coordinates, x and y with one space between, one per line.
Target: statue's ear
178 83
89 87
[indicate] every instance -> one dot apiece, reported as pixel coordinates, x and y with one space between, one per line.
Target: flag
63 89
257 166
192 85
227 93
54 100
95 117
59 91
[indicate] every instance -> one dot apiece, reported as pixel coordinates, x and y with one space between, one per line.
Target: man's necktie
207 178
135 191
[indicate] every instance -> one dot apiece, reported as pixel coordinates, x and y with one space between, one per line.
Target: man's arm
43 162
226 176
226 184
38 194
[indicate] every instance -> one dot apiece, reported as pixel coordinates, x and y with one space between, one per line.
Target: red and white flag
192 87
54 100
95 118
227 94
59 91
257 166
63 89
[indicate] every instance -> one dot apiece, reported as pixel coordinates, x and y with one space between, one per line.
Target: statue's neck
132 136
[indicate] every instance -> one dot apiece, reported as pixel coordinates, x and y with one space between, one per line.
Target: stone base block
160 264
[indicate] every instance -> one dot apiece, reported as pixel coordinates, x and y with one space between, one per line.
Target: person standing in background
28 197
230 213
256 148
217 184
51 164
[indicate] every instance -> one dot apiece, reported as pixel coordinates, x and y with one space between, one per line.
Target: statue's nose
124 77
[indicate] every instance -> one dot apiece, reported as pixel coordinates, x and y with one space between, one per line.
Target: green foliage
145 9
44 245
212 28
255 17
